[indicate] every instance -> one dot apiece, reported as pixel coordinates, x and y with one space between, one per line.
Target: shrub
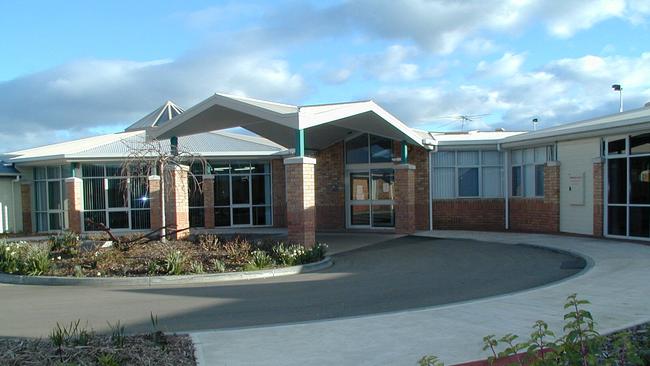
288 255
37 261
314 254
66 242
238 250
218 265
196 267
259 260
175 262
23 258
11 256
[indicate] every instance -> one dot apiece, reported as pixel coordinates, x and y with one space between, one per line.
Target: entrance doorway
370 198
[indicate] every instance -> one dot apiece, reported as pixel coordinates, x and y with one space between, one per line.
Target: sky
72 68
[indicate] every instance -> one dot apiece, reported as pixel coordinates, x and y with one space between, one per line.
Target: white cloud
86 94
509 64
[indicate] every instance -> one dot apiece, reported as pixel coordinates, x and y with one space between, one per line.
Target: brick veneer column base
155 202
26 202
598 196
405 199
74 190
177 203
301 210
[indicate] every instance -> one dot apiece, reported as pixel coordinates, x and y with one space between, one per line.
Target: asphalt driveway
396 274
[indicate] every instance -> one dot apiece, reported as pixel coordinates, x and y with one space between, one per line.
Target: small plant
218 265
66 242
37 261
259 260
117 334
175 262
70 335
107 359
238 250
157 335
430 361
152 267
196 267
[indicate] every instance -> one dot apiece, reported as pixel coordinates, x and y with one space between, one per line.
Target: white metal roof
158 117
323 124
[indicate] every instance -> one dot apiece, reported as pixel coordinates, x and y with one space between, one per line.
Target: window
114 199
528 170
242 193
195 196
366 148
50 198
467 174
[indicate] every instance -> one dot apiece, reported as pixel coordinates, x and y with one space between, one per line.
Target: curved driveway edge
164 280
616 284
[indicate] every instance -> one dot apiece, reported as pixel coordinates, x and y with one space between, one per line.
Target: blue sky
77 68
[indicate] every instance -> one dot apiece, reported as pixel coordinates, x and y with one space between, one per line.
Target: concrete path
617 285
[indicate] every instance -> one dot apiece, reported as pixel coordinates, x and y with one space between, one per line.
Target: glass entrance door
370 198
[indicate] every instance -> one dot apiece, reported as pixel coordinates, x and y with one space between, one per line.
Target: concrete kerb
165 280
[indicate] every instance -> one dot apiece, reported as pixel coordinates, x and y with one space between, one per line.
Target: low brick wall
469 214
534 215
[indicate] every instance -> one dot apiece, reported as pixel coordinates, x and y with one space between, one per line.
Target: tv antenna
464 118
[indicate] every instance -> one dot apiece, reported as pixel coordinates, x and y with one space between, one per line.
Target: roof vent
500 129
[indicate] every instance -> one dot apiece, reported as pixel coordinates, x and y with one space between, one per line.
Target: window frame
480 166
534 165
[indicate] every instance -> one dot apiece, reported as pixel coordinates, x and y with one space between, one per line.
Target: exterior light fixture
619 89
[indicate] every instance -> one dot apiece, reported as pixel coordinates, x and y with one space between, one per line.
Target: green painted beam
405 152
174 145
300 142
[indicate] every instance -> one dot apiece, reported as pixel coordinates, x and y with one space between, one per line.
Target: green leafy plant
157 335
117 334
259 260
71 334
36 262
196 267
218 265
175 262
66 242
107 359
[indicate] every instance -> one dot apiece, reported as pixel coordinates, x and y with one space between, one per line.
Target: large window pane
220 168
383 181
53 172
194 185
383 216
141 219
444 158
381 149
491 180
640 222
55 221
139 193
360 215
640 144
262 215
491 158
221 190
617 180
529 180
118 220
259 168
516 181
640 180
617 220
616 147
39 173
444 182
41 221
240 189
468 182
92 218
240 167
94 194
540 154
261 189
539 180
467 158
114 171
117 193
54 195
356 150
197 216
92 170
241 216
40 196
359 186
529 156
222 216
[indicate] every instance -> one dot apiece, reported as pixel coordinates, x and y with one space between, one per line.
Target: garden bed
68 256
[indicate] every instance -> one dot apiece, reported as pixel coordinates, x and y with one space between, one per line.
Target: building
338 167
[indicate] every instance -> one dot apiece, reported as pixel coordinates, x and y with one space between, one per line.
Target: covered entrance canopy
324 124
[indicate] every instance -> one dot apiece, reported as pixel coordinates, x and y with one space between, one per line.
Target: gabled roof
158 117
323 124
8 170
120 145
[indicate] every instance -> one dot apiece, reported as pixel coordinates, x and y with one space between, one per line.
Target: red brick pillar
74 189
155 202
405 199
301 209
208 201
552 195
598 196
26 202
177 199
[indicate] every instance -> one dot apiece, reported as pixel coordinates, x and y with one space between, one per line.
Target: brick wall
404 199
301 212
330 188
469 214
279 193
539 214
177 203
74 190
598 197
155 201
419 157
26 201
208 201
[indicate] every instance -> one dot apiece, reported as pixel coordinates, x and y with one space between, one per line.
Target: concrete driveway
372 274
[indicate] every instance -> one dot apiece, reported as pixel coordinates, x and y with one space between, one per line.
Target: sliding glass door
370 198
